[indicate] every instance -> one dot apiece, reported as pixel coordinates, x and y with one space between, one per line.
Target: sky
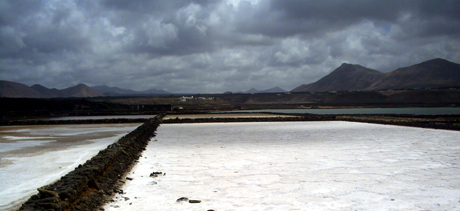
213 46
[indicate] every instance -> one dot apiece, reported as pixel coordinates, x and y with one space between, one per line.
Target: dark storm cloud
31 28
317 17
215 46
12 11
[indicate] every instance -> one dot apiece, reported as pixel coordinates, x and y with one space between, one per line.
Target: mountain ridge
432 73
345 77
16 90
116 91
270 90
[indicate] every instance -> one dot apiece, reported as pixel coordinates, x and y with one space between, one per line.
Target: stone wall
306 117
446 122
87 187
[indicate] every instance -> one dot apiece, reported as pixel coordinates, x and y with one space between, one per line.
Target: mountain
432 73
45 92
272 90
13 89
111 91
252 91
345 77
429 74
115 91
155 92
80 90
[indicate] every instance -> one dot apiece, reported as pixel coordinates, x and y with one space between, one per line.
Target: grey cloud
216 46
42 30
149 6
340 10
11 12
315 18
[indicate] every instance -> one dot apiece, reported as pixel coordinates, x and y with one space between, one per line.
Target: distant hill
252 91
115 91
345 77
272 90
111 91
13 89
430 74
80 90
155 92
45 92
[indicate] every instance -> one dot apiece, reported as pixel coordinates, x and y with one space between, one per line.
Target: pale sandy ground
34 156
223 115
296 166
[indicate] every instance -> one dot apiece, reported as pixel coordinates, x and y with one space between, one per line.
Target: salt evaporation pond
34 156
296 166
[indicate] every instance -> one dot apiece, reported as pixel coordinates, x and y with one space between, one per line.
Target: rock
47 193
194 201
156 174
181 199
53 199
93 184
129 178
48 205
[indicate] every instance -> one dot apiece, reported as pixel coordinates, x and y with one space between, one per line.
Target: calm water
412 111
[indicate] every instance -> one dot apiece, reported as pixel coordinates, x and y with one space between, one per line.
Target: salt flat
296 166
34 156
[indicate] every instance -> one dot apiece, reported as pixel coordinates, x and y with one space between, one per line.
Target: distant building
183 98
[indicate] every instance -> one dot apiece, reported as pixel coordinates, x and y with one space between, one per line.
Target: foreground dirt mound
87 187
